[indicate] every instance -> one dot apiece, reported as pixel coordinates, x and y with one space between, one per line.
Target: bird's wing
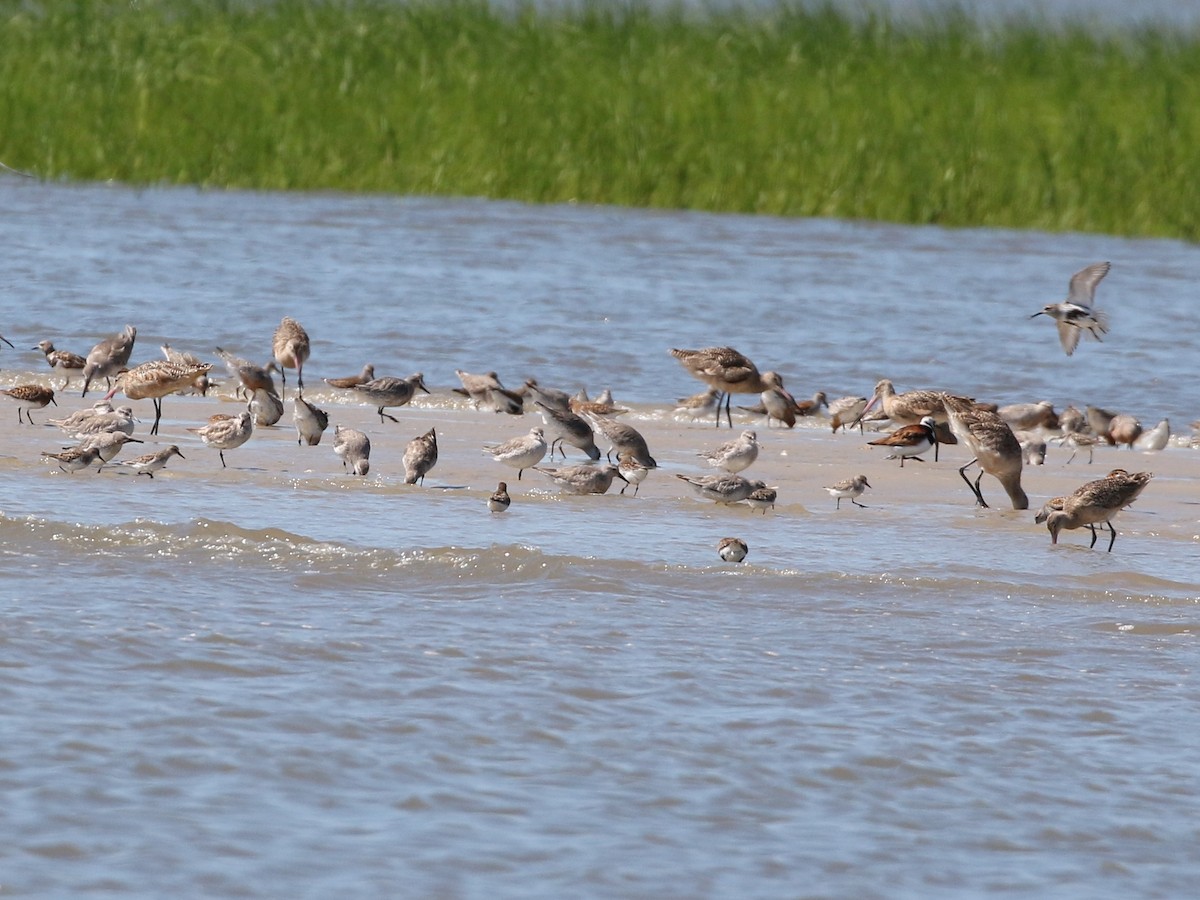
1068 335
1083 283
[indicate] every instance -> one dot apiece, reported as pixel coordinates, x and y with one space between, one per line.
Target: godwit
290 348
28 397
732 549
499 501
63 360
996 449
354 449
152 462
156 379
910 441
226 433
850 489
583 479
1076 313
420 455
1097 503
911 407
108 357
520 452
725 370
344 384
388 391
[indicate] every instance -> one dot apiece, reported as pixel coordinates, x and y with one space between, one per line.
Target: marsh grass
785 111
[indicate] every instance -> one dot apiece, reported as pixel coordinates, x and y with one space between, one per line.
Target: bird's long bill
869 406
1040 312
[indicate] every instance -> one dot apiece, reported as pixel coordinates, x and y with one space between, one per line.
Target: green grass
780 111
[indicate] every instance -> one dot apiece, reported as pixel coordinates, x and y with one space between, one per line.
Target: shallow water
276 680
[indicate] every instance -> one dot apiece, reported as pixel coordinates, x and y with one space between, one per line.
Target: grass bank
784 111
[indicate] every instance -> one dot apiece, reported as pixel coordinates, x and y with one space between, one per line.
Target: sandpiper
566 427
732 549
499 501
420 455
150 463
74 458
762 498
226 433
724 488
846 412
734 456
344 384
1097 503
311 421
354 449
520 452
107 445
1156 438
29 397
698 406
585 479
1076 314
850 489
632 470
108 357
388 391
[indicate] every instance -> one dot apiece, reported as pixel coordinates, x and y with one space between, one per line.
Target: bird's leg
978 492
1093 543
1113 539
856 503
221 453
728 414
157 414
963 474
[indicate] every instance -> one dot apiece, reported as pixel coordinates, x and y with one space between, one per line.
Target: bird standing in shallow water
420 456
1097 503
226 433
108 357
290 346
910 441
725 370
353 448
152 462
996 449
732 549
850 489
389 391
1076 314
29 397
499 501
63 360
520 452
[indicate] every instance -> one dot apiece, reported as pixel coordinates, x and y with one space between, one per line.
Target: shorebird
156 379
266 407
566 427
624 440
342 384
1077 440
226 433
250 377
1033 447
520 452
499 501
850 489
633 471
725 370
183 358
1028 416
1156 438
846 412
74 458
108 357
311 421
996 449
29 397
1071 419
1123 429
151 462
732 549
776 402
734 456
699 406
388 391
583 479
1097 503
77 418
107 445
909 441
911 407
603 406
118 420
1098 419
290 347
487 390
724 488
354 448
420 455
63 360
762 498
1076 314
552 397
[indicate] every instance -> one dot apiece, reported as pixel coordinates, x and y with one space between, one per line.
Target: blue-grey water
275 680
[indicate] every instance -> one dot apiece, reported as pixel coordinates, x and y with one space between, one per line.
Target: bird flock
1000 440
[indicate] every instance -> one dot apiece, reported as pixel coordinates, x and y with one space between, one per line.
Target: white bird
850 489
311 421
1076 313
520 452
150 463
1156 438
226 432
735 455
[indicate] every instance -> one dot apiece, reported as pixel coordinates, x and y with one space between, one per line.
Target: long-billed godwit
156 379
725 370
290 347
1097 503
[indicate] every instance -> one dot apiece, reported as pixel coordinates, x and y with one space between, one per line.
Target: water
277 680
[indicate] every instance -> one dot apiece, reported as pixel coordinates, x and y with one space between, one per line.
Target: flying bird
1076 314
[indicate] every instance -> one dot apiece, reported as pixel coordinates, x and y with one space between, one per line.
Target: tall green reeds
786 110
